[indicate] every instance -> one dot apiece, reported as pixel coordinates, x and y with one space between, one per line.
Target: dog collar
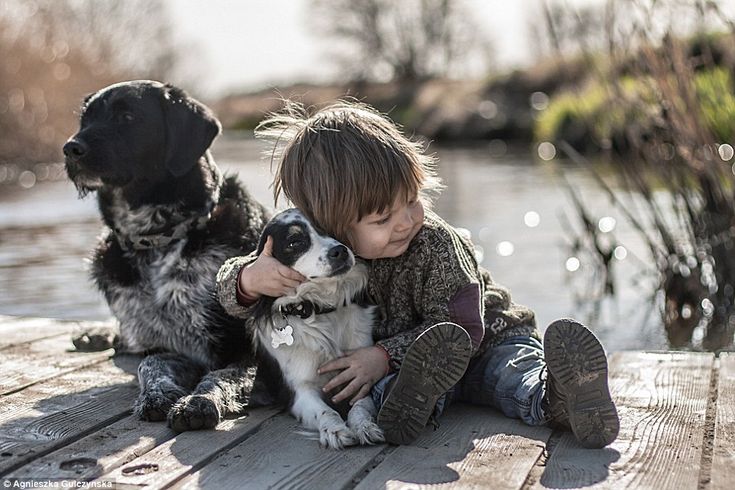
284 335
304 309
184 223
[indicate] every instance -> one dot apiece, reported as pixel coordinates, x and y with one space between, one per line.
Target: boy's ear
190 129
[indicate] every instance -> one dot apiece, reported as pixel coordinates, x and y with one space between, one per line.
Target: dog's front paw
154 405
193 412
335 434
94 338
361 419
368 432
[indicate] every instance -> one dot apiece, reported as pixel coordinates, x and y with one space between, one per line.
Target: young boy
446 326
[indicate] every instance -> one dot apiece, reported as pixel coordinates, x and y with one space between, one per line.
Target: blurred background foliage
55 52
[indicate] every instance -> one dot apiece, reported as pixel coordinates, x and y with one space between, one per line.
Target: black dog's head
138 131
297 244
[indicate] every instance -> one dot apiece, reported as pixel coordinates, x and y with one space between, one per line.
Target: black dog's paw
95 337
154 405
193 412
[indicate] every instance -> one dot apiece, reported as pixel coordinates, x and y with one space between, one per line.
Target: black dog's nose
75 149
338 253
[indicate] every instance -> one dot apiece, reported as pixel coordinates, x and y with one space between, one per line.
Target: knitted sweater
437 279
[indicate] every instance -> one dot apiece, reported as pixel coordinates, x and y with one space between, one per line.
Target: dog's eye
126 116
295 242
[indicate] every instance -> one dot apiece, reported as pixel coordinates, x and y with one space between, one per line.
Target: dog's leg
361 419
97 336
219 393
314 414
164 378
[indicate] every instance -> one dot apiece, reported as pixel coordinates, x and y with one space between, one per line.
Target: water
46 233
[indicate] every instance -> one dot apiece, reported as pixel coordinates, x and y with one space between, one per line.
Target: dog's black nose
338 253
75 149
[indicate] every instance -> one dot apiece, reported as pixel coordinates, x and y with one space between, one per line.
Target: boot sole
577 360
434 363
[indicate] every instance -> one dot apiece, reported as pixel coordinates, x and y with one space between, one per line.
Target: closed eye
382 221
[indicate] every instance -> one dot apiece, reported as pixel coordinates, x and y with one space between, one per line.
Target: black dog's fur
143 147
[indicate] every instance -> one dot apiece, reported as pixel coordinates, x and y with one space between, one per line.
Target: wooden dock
65 419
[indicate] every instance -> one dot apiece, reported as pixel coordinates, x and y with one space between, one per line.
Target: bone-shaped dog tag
281 336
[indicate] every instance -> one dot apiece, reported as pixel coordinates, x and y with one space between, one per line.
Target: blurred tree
55 52
407 40
569 29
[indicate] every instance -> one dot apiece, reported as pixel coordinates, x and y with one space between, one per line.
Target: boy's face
387 234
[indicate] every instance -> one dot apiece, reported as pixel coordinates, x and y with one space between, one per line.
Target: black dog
173 220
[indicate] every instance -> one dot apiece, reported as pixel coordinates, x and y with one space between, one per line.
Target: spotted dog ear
190 129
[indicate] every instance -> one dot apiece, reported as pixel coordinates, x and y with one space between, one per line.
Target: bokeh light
606 224
485 234
532 219
479 254
487 109
27 179
505 249
726 152
546 151
572 264
539 101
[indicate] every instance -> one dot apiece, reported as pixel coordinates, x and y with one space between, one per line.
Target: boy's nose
406 221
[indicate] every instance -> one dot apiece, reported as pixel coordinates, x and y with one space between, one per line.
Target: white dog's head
297 244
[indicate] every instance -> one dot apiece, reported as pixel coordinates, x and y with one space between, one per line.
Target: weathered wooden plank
474 447
18 330
662 402
281 456
723 458
29 363
98 453
49 415
188 452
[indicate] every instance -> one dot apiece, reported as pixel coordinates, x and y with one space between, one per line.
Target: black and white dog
324 318
172 220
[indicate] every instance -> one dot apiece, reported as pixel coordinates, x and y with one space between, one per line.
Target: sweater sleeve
503 317
227 286
446 287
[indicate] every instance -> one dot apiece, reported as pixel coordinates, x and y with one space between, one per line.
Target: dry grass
691 236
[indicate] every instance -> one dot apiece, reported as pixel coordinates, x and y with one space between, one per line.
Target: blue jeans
509 376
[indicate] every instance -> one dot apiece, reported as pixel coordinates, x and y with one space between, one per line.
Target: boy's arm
232 299
463 309
447 288
503 317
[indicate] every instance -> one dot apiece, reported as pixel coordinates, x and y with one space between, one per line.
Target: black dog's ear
86 100
190 129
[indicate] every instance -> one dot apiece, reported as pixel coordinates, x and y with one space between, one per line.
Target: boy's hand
268 277
362 368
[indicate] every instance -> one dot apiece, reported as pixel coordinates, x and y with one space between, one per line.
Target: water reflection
46 232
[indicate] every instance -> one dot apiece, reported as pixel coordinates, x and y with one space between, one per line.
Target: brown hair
344 162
